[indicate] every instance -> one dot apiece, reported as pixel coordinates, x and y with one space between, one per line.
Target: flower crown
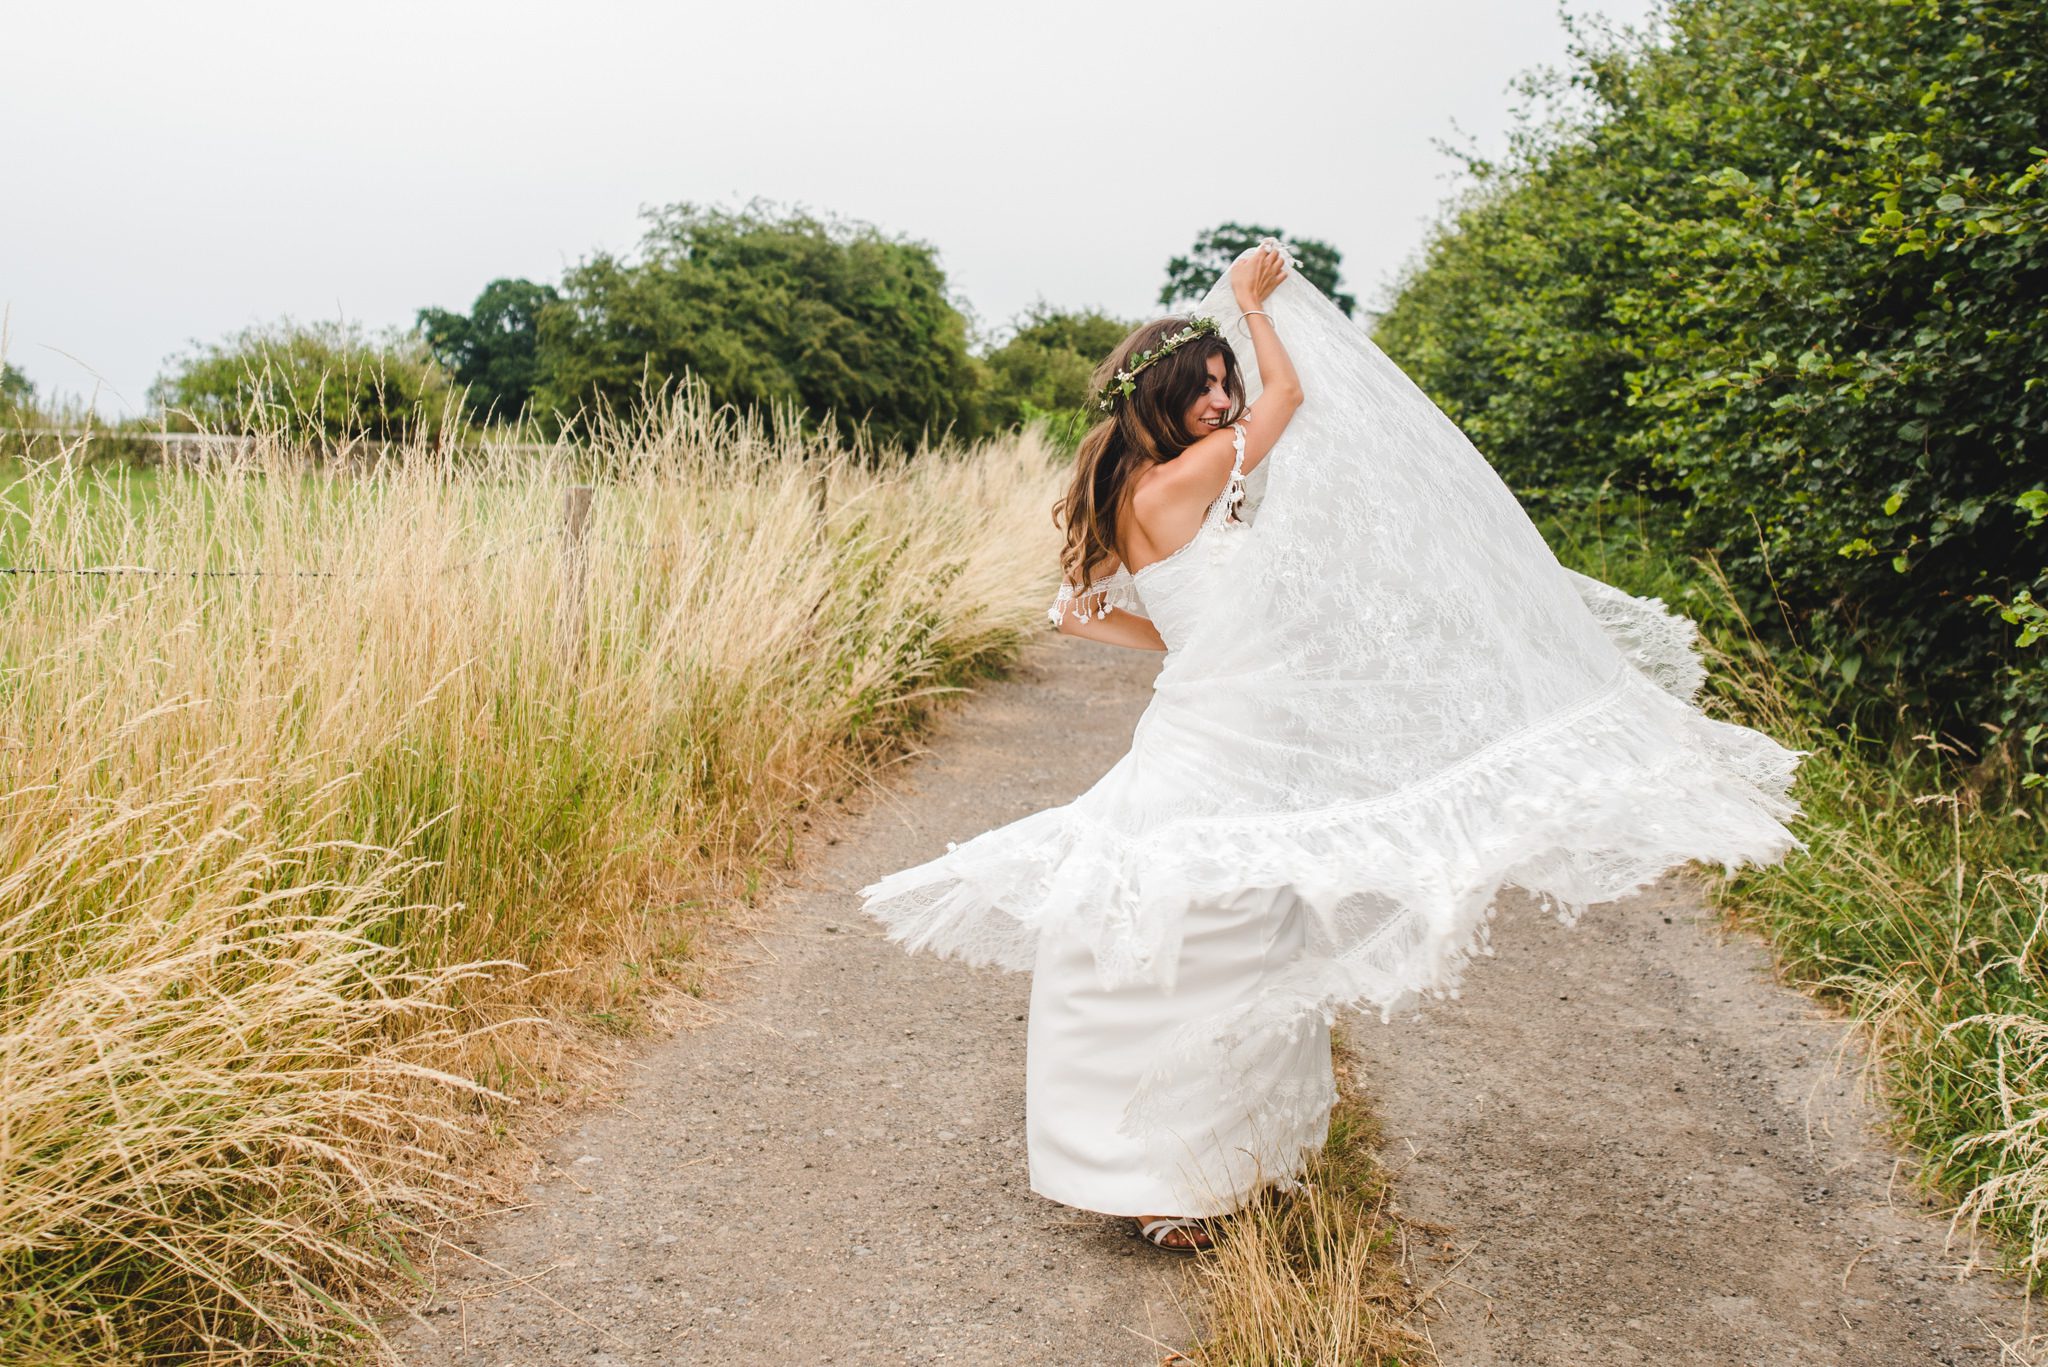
1126 379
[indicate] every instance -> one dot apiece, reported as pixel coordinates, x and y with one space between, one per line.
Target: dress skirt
1088 1046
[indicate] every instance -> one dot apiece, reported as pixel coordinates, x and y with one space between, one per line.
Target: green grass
1920 906
106 487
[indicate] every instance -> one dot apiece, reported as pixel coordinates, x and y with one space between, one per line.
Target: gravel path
1645 1151
1638 1149
833 1171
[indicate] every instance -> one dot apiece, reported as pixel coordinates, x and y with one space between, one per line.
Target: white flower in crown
1127 378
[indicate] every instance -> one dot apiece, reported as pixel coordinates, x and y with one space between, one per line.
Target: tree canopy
1786 272
1189 277
1042 371
766 309
493 351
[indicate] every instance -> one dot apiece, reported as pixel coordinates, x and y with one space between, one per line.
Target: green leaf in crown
1126 380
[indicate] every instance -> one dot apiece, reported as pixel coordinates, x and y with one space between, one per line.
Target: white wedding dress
1383 702
1089 1046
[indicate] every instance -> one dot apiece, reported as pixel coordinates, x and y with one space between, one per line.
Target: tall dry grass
1314 1277
305 861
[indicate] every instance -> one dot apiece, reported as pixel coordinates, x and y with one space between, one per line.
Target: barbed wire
492 554
541 534
186 574
93 570
660 544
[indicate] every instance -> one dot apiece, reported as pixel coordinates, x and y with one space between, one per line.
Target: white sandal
1155 1232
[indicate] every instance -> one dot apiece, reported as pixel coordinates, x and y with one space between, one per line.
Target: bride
1383 702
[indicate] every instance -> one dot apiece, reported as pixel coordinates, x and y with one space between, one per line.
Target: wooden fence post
575 520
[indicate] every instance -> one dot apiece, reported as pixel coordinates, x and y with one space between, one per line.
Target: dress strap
1233 492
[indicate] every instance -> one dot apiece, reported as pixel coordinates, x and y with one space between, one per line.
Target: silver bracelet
1249 314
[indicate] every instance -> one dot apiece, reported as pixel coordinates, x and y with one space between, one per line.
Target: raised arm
1253 279
1169 505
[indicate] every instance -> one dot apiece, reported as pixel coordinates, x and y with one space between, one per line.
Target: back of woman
1383 702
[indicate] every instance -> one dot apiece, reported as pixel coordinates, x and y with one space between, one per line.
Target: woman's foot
1175 1233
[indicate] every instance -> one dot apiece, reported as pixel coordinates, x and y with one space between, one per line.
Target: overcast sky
174 173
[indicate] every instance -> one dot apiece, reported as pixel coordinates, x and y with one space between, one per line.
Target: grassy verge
1316 1278
309 865
1920 908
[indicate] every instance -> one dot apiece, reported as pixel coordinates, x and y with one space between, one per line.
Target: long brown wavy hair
1147 427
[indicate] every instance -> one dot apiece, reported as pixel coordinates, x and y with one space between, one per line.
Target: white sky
175 172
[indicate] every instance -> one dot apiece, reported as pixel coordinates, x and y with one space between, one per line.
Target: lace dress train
1383 703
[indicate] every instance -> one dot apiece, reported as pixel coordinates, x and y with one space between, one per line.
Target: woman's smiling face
1206 414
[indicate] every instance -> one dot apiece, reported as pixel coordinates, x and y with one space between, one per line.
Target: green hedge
1784 271
327 381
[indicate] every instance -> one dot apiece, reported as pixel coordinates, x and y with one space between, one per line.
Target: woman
1383 702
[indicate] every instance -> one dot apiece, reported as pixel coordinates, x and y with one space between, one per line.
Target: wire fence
570 533
573 530
203 442
149 570
170 445
575 514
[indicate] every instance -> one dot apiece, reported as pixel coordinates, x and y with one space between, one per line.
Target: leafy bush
1783 271
17 393
325 382
1042 371
768 311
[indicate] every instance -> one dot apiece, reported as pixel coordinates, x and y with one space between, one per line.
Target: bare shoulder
1168 500
1197 474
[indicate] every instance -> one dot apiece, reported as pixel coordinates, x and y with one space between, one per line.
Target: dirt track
1613 1126
1645 1151
833 1171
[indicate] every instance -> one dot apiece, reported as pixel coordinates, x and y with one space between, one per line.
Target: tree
1784 267
1044 368
1189 277
17 392
320 381
493 351
767 309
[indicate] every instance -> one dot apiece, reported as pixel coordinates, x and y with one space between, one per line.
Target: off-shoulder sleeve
1114 590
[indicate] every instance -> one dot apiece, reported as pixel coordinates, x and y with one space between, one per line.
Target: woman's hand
1257 275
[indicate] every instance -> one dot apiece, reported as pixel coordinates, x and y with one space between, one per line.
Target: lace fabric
1385 694
1118 589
